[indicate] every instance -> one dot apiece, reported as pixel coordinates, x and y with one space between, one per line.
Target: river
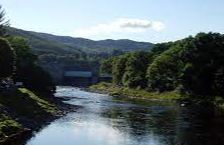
105 120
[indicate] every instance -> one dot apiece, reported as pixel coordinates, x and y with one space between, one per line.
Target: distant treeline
194 66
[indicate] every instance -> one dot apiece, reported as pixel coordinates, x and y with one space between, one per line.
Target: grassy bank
135 93
21 109
218 101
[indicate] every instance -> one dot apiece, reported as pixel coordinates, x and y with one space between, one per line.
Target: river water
105 120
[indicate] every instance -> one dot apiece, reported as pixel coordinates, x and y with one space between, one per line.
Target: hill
43 42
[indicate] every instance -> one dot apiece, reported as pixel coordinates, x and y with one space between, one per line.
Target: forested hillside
66 44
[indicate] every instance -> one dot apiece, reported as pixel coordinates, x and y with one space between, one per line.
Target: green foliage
129 69
194 64
23 51
118 68
161 47
204 60
7 59
164 73
106 66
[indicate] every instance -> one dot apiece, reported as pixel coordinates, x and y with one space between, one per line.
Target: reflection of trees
198 125
173 125
144 121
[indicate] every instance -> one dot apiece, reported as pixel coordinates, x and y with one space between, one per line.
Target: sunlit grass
138 93
8 126
48 107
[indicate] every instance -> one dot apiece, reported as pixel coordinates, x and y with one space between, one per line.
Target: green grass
136 93
25 103
48 107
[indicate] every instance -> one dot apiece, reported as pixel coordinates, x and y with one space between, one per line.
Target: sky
141 20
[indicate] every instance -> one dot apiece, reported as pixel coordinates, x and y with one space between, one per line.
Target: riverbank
134 93
112 90
23 111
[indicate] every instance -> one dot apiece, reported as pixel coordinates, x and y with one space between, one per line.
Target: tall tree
163 73
204 59
3 22
106 66
135 70
33 76
118 68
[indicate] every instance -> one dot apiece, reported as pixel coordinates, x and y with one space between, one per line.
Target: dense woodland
194 66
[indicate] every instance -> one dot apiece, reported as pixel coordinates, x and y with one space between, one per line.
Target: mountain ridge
40 40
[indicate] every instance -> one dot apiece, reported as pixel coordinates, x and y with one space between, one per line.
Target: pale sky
141 20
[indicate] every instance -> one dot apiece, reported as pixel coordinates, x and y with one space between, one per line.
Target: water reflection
104 120
191 125
197 125
145 122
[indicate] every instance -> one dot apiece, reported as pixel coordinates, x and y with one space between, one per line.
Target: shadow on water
174 125
203 126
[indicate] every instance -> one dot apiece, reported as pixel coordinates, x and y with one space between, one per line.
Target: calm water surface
104 120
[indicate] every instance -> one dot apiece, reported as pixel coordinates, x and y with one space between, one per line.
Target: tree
3 22
118 68
135 70
37 79
7 59
106 66
33 76
161 47
204 59
23 51
163 74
